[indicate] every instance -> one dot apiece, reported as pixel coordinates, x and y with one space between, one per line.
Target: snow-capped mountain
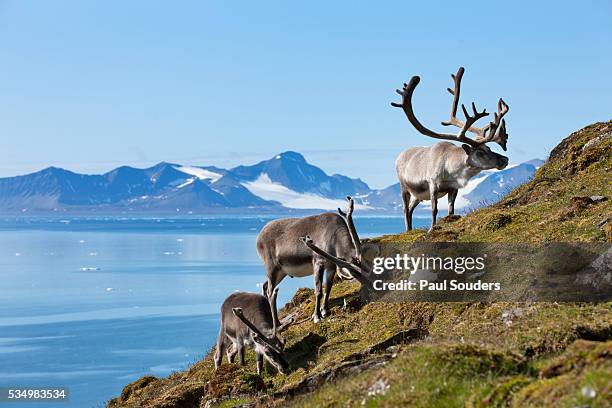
497 184
290 180
286 182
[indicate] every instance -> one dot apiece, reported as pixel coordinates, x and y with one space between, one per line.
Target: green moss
134 390
498 221
582 375
499 394
232 402
421 375
470 355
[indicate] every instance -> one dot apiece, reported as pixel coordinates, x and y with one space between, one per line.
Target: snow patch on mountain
268 190
200 173
186 183
461 202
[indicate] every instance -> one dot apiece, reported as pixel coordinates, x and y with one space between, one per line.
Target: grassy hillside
443 354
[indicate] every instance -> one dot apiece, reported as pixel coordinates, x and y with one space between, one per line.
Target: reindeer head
273 354
483 158
351 265
269 343
480 156
357 270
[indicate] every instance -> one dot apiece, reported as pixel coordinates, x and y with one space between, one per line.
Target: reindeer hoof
315 318
324 313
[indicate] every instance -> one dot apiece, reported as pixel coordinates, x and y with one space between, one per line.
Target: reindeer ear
468 149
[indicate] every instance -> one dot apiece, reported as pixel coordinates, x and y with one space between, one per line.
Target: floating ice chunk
93 254
179 240
90 268
81 241
17 253
109 289
169 253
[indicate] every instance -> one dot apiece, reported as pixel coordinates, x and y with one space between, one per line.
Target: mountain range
284 183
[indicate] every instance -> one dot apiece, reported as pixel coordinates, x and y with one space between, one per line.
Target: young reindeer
283 254
250 320
428 173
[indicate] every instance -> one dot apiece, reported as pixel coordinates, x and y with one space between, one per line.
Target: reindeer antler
494 131
355 270
274 310
348 218
239 314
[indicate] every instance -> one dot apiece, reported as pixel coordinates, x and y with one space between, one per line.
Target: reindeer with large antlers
249 319
428 173
283 254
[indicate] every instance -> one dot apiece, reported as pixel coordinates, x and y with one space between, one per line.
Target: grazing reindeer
283 254
250 319
428 173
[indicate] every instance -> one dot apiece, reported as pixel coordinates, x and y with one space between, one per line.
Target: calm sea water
92 304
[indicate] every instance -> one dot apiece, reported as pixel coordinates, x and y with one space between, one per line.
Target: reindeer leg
275 276
260 361
220 349
231 353
434 205
240 350
452 195
329 281
413 203
319 269
407 213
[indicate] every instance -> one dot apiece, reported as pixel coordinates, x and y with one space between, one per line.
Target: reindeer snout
503 162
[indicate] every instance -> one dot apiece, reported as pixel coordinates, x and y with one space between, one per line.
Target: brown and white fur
283 253
248 320
428 173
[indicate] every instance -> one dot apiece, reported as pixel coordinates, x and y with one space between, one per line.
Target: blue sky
92 85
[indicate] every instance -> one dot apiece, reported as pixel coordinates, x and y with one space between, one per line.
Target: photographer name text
425 285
